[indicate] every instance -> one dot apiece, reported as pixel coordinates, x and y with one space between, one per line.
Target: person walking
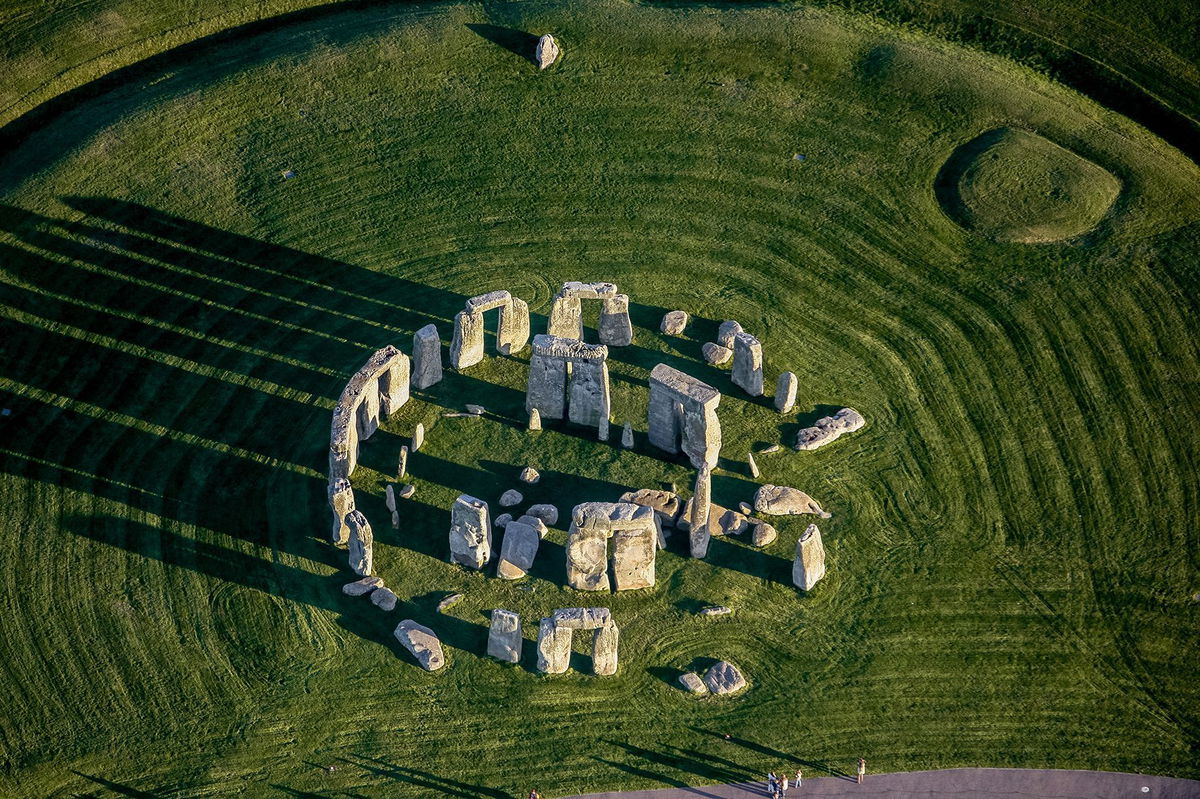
783 786
799 776
772 785
862 769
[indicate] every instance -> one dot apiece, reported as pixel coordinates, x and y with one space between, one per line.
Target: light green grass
1013 547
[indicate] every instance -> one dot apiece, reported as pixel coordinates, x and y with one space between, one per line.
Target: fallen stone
536 524
665 504
418 437
692 683
754 472
724 678
384 599
784 501
719 610
809 565
517 551
673 322
785 392
476 410
504 636
726 331
364 586
762 534
535 419
407 490
422 642
829 429
546 52
547 513
530 475
449 602
511 497
770 449
715 354
733 523
502 519
627 436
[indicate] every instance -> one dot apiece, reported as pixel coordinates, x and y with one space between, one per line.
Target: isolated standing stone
422 642
727 331
627 436
384 598
747 364
402 463
517 551
389 497
828 429
715 354
341 502
752 464
535 419
724 678
809 566
785 392
674 322
692 683
362 543
470 532
504 636
699 535
614 326
546 52
783 501
427 357
418 437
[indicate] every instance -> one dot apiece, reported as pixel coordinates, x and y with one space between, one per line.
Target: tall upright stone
553 647
427 358
402 463
699 535
615 327
635 534
341 502
466 347
514 327
785 392
535 419
546 52
504 636
588 404
604 649
362 544
809 566
566 318
517 550
470 532
418 437
627 436
583 397
748 364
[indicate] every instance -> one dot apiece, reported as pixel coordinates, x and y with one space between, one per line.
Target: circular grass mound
1014 185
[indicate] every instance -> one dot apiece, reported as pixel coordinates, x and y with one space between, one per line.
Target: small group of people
777 787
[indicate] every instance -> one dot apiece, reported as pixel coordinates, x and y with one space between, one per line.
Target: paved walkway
961 783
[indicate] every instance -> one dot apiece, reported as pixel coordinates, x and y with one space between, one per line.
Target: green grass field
1014 548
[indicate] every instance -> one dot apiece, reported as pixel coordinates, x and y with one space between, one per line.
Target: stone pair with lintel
568 378
632 530
683 415
377 390
512 330
555 633
566 313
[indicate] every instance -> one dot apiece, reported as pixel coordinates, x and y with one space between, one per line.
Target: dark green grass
1013 546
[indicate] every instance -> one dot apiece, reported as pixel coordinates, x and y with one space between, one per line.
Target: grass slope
1013 551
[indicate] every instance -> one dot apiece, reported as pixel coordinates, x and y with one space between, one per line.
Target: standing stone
587 557
633 558
341 502
699 535
514 327
553 647
673 322
683 415
546 52
602 429
389 498
466 348
535 419
470 532
604 649
362 544
785 392
422 642
747 364
504 636
752 464
615 327
726 332
402 463
517 551
566 318
427 357
418 437
589 392
627 436
809 566
546 390
394 384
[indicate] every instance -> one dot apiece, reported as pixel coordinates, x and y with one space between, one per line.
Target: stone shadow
746 743
517 42
789 429
120 789
438 786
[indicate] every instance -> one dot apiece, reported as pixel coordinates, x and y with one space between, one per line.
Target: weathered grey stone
536 524
587 558
418 437
389 497
395 520
785 392
553 647
362 544
726 331
427 358
466 347
357 413
602 429
535 419
548 388
674 322
384 598
717 610
449 602
512 329
502 519
828 429
511 497
762 535
547 513
566 318
614 326
475 410
627 436
715 354
699 533
633 557
364 586
407 490
809 565
692 683
582 618
530 475
341 502
588 392
394 384
665 504
744 508
604 649
635 533
683 415
784 501
747 364
750 462
470 532
731 522
588 291
423 643
402 463
513 333
724 678
517 551
546 52
504 636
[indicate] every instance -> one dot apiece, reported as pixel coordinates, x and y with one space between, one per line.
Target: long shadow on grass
515 41
440 786
754 746
706 767
119 788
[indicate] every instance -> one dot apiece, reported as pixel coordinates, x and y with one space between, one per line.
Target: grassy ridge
1012 554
